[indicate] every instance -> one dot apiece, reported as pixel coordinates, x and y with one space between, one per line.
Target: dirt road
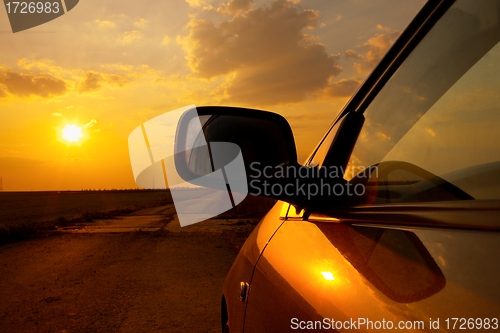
140 273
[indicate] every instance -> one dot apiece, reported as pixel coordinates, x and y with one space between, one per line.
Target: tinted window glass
433 130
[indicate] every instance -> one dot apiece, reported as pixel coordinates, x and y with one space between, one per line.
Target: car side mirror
212 138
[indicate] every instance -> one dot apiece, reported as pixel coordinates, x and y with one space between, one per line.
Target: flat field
35 207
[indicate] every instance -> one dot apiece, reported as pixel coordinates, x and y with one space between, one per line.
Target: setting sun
72 133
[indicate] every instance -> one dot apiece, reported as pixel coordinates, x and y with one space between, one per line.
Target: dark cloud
117 79
30 84
265 50
342 88
94 81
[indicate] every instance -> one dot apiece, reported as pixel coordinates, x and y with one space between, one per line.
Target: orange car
393 223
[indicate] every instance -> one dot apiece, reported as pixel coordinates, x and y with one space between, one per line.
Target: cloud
166 40
352 54
235 7
91 123
43 79
196 3
103 24
384 28
264 54
141 23
342 88
25 85
116 79
373 50
57 114
129 37
41 65
129 71
94 81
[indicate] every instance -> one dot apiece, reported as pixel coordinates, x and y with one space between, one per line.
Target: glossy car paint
243 267
379 272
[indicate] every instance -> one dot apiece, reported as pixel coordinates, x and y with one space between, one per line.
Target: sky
109 66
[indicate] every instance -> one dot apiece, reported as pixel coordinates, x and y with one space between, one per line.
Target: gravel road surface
140 273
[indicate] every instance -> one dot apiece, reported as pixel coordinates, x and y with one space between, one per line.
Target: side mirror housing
211 138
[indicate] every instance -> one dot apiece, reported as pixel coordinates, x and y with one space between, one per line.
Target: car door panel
243 267
330 270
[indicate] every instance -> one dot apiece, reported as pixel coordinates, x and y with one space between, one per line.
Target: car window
432 133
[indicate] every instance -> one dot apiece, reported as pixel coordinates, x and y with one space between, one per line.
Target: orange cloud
105 24
166 40
263 52
342 88
130 37
374 49
235 7
141 23
25 85
196 3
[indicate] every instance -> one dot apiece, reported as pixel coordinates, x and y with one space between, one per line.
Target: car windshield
72 89
439 113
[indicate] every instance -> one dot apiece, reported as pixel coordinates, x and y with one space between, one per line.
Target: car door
320 274
418 248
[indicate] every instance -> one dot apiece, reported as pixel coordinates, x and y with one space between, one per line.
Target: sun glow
72 133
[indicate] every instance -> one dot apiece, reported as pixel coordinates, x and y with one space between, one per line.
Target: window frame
418 28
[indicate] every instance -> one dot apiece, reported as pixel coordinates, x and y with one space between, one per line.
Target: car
393 221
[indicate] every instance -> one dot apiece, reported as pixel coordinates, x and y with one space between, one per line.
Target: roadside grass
17 231
22 230
18 228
